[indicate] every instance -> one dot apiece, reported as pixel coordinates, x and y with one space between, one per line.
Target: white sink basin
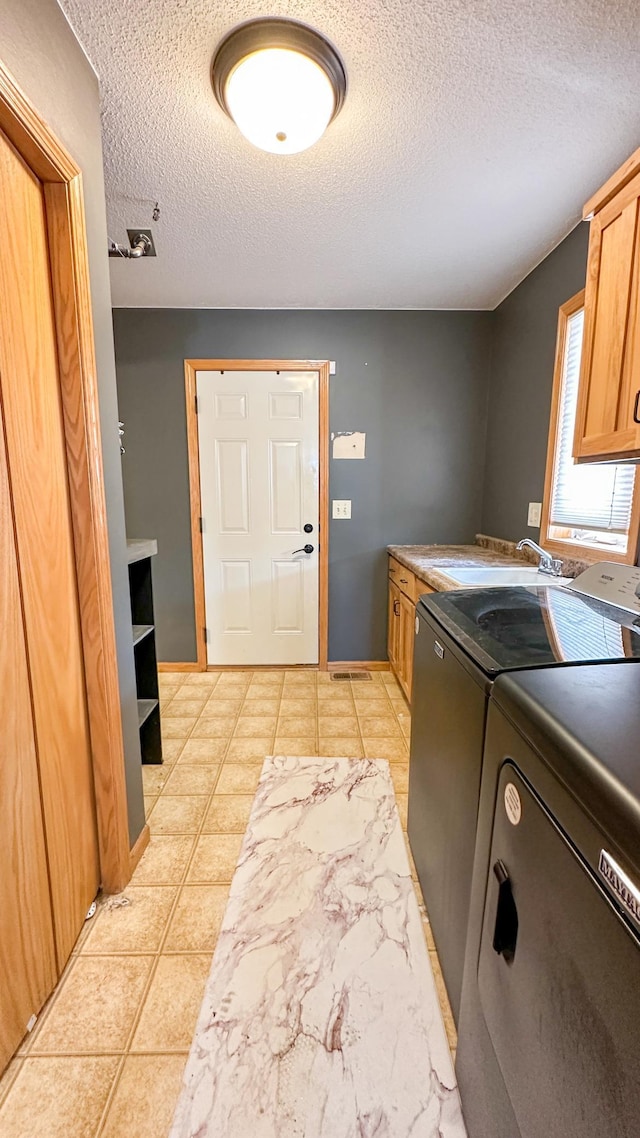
489 576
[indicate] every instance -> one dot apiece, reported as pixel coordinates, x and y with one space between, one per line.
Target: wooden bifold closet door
49 868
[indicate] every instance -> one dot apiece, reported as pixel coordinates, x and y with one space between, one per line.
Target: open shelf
145 707
140 631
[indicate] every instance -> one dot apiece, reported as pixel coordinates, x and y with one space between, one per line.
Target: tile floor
106 1057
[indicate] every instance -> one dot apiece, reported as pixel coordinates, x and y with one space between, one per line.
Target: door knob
308 528
305 549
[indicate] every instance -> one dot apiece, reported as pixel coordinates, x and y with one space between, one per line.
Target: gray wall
39 48
521 379
414 381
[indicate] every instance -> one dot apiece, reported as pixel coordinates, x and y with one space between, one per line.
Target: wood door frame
322 368
61 179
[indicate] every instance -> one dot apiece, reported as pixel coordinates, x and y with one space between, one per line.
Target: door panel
27 953
259 482
37 464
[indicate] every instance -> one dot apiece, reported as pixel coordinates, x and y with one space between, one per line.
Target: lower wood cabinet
404 590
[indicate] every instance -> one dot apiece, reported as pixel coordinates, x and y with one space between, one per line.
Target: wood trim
613 185
62 185
138 848
184 666
359 666
190 369
566 549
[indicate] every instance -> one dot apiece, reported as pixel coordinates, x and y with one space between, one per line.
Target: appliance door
448 717
558 977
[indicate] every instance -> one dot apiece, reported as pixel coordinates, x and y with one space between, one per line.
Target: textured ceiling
472 133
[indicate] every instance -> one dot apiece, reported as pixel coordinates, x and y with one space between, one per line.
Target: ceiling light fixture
280 81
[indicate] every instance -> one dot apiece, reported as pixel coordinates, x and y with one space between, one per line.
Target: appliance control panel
611 582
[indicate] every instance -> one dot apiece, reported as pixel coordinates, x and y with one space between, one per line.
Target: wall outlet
341 508
535 513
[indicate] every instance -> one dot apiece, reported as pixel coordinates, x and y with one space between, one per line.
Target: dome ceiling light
280 81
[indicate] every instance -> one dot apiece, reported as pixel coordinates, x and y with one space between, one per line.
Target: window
590 511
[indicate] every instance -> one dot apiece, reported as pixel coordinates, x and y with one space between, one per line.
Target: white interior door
259 484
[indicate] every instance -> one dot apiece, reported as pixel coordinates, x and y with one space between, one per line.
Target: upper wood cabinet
608 414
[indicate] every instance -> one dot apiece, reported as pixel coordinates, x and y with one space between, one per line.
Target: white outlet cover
535 513
341 508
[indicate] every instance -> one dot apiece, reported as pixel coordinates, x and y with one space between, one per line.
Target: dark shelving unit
144 649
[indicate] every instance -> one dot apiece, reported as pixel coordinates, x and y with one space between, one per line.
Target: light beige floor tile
9 1076
228 814
197 918
134 927
264 690
393 750
380 707
367 693
342 726
297 707
183 708
178 814
239 778
400 777
402 801
96 1006
220 707
294 683
405 727
154 778
149 803
166 692
340 748
303 725
268 675
253 708
204 680
146 1096
179 728
203 751
171 1008
207 728
378 727
251 750
233 682
295 745
171 748
334 694
59 1097
428 933
445 1007
194 778
165 860
215 858
254 727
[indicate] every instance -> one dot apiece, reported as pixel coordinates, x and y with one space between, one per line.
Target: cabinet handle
396 608
636 405
403 580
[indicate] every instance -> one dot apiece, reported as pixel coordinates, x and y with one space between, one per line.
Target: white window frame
572 548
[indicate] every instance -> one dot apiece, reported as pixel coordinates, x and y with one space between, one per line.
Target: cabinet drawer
403 578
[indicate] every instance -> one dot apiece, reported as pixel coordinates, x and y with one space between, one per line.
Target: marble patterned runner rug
320 1017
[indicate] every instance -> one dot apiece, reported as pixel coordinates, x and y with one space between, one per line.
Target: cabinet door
27 955
407 635
393 626
608 416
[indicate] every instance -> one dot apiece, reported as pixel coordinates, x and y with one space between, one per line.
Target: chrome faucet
547 563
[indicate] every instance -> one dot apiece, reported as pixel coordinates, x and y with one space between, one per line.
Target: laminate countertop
140 547
430 562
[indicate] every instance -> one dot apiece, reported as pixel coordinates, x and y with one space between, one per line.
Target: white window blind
585 497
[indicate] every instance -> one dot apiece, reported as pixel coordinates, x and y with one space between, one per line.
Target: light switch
341 508
534 515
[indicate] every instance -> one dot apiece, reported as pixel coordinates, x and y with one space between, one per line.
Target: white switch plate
332 367
341 508
535 513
